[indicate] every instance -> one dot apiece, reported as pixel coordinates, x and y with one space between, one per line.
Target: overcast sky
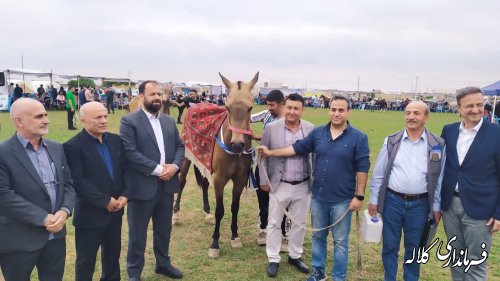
318 44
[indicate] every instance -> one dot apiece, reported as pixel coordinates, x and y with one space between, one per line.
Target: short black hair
339 97
295 97
193 90
275 96
461 93
142 86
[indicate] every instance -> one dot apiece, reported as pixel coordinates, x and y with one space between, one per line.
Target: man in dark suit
154 153
95 161
470 195
36 198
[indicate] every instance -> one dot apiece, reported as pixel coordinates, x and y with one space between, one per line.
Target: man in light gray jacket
288 180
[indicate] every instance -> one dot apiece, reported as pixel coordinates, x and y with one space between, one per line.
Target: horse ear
226 82
254 80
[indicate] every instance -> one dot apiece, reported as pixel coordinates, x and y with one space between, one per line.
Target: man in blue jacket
470 195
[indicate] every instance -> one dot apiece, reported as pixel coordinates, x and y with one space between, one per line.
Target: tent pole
493 113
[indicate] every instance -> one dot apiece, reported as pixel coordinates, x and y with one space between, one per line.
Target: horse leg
239 184
182 182
204 185
213 251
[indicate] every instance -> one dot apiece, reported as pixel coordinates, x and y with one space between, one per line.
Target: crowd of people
419 177
53 99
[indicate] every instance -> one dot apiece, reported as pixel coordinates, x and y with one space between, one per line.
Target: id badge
435 153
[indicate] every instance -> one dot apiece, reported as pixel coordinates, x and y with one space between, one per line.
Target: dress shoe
72 128
299 264
169 271
272 269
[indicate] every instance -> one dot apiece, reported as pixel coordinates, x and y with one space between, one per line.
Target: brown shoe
261 240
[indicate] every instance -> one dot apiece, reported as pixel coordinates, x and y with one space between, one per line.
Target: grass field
190 239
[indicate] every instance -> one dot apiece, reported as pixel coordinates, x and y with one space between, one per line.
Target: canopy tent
493 90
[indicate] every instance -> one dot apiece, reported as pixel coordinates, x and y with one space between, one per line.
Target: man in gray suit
36 198
288 180
154 153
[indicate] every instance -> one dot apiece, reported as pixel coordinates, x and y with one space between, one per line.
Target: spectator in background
40 91
179 101
61 100
89 96
70 107
45 100
82 99
110 97
18 93
53 93
11 90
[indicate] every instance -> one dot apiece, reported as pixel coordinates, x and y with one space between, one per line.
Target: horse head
239 106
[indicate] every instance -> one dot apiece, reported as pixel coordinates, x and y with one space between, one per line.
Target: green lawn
190 239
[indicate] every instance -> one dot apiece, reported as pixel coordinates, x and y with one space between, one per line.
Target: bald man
97 169
36 197
406 188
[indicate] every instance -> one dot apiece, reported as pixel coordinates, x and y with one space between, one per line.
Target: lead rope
359 265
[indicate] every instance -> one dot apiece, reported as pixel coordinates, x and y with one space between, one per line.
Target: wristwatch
359 197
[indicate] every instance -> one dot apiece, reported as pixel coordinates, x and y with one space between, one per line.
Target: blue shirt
103 150
409 170
336 161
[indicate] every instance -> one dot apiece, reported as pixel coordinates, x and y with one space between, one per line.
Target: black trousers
263 199
181 110
139 212
70 118
88 241
110 106
49 262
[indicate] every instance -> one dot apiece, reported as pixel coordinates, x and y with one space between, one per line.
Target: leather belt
409 197
295 182
456 194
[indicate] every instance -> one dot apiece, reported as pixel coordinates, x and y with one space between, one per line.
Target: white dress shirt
155 123
464 141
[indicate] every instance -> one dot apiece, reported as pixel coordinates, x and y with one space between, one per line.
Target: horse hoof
213 253
175 219
209 219
236 243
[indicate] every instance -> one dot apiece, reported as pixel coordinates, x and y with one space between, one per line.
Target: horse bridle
228 150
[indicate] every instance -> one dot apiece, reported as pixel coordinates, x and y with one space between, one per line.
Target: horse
231 158
326 101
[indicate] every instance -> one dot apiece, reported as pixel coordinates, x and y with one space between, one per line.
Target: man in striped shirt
275 101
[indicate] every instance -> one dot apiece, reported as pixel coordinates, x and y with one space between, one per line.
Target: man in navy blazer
470 195
36 197
154 152
94 156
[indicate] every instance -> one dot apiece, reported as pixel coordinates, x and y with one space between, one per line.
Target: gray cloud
323 44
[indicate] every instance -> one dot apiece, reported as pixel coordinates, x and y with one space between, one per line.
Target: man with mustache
405 187
154 152
471 183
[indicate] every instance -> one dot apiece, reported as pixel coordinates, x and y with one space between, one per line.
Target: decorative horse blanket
202 122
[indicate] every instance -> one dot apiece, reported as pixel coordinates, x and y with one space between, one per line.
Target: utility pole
22 67
359 94
416 87
129 88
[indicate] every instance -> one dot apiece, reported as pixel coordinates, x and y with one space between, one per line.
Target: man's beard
151 107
